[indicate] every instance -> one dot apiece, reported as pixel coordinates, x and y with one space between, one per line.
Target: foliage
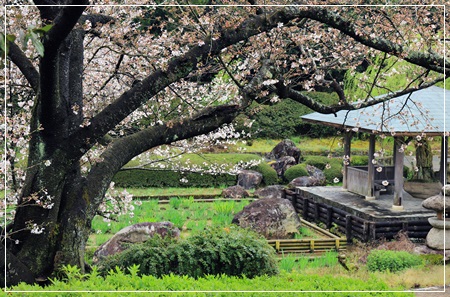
231 251
291 262
295 171
282 120
397 75
188 170
182 212
433 259
393 261
359 160
261 286
270 176
142 178
173 192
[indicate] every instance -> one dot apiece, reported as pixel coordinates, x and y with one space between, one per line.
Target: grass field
324 146
172 192
185 213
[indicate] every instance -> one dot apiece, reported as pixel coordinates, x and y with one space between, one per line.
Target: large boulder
282 164
249 179
274 191
317 174
274 218
136 233
235 192
285 148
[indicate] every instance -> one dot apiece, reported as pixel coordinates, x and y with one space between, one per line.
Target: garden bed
191 215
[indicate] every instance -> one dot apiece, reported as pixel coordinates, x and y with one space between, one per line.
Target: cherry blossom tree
91 87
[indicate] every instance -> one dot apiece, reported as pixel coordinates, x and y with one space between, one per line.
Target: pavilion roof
423 111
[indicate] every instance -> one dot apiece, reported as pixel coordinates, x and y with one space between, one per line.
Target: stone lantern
440 233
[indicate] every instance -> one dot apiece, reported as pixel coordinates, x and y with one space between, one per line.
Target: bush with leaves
282 120
393 261
270 176
296 171
359 160
231 251
141 178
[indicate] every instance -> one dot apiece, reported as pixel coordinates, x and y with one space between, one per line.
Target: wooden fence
332 242
352 226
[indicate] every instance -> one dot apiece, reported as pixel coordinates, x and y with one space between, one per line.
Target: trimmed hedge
142 178
270 176
296 171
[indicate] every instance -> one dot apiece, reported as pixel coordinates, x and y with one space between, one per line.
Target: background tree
107 86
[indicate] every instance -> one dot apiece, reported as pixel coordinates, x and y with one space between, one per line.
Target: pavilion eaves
422 111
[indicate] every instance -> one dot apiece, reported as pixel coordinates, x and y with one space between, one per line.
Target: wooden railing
358 179
331 242
284 246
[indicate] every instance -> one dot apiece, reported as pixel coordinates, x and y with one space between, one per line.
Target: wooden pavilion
419 114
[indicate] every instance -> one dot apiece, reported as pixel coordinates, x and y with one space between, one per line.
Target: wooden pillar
444 156
347 149
398 175
371 169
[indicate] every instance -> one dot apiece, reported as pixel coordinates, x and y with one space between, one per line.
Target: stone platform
379 209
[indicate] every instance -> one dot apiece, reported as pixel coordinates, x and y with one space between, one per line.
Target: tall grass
184 213
301 262
224 207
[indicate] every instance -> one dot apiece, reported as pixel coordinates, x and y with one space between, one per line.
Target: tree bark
424 162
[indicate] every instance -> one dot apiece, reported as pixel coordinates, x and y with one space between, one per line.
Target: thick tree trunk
52 172
424 162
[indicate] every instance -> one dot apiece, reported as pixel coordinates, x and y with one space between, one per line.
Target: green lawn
172 192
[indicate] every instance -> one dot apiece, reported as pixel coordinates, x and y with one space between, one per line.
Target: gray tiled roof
410 114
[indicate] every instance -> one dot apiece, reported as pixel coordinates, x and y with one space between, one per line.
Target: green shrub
335 171
213 251
320 161
433 259
359 160
142 178
283 119
393 261
296 171
270 176
408 173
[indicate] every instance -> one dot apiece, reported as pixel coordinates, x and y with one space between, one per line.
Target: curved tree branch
178 68
18 57
122 150
286 92
428 60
